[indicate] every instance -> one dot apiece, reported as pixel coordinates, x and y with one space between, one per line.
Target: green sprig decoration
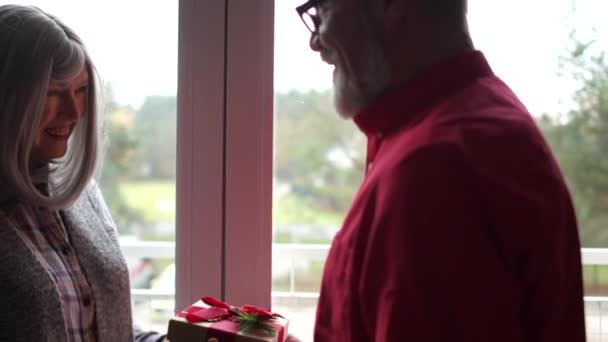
249 322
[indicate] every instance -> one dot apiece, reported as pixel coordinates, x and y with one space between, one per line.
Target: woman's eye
53 93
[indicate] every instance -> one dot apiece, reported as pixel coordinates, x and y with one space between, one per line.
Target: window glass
548 52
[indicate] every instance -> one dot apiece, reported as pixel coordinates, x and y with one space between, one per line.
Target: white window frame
200 145
225 151
249 146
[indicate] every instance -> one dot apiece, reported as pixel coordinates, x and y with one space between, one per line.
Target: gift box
210 320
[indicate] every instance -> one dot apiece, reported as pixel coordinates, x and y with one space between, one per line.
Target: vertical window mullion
249 144
200 160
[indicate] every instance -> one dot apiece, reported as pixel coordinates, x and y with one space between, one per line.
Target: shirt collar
41 180
410 101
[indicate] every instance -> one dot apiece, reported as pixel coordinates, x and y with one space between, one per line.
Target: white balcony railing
290 256
293 253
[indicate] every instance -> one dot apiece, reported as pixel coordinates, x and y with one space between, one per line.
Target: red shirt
463 228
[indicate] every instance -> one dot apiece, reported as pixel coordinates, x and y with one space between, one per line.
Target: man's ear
392 13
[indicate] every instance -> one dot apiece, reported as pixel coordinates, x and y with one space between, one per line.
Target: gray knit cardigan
30 307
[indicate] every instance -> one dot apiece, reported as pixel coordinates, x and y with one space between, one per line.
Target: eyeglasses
308 14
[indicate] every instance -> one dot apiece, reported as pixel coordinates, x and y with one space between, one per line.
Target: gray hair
35 49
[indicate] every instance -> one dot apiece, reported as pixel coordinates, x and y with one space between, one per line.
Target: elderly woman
63 277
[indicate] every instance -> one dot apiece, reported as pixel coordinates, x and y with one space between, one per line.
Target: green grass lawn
154 199
291 210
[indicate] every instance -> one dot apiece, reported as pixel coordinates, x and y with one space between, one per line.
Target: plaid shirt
42 230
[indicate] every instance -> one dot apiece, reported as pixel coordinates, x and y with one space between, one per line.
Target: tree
118 162
318 154
156 129
579 139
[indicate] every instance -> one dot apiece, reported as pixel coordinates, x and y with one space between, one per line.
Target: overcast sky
136 50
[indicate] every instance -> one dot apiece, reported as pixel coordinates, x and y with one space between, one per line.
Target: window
236 214
318 157
542 51
318 165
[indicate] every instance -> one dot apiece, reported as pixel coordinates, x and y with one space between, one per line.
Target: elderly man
463 228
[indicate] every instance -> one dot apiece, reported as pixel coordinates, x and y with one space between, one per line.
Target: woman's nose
71 106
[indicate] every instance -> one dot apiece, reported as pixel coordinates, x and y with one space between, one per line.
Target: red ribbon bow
219 310
226 319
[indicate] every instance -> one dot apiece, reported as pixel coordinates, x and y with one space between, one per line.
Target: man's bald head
447 8
377 45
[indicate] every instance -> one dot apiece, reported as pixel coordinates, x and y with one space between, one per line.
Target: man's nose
314 42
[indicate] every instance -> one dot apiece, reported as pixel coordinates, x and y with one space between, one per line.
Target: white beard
353 92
